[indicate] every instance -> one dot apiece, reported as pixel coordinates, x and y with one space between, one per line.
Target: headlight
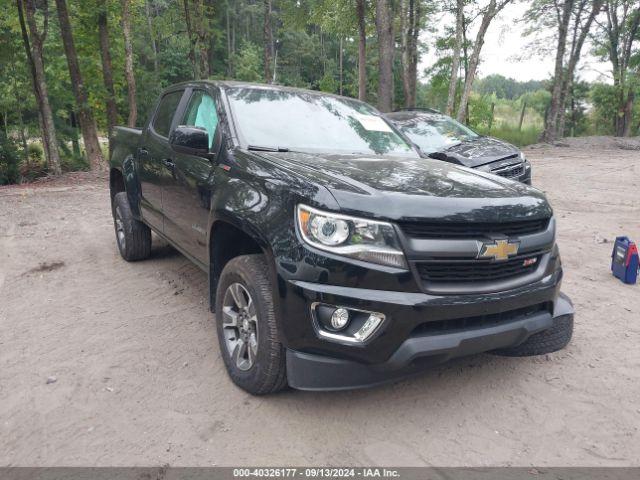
366 240
522 157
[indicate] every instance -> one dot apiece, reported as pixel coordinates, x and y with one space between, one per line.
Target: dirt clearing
104 362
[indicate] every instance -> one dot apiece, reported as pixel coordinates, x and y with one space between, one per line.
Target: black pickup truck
336 256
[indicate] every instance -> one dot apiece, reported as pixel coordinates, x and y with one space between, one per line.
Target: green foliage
316 46
249 64
335 16
538 100
34 166
328 83
9 161
510 133
434 94
480 111
506 117
604 100
35 152
503 87
577 121
74 163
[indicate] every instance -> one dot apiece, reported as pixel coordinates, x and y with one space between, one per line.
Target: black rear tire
132 236
548 341
266 372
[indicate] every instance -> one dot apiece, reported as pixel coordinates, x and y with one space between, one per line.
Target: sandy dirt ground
104 363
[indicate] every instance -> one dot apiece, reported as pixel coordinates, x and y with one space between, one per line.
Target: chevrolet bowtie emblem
499 250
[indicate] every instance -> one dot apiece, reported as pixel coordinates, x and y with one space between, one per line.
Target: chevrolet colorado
441 137
336 256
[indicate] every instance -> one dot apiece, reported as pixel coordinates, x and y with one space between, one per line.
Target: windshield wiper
259 148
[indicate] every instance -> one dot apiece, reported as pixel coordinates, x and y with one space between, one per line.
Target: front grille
480 321
509 171
472 230
474 271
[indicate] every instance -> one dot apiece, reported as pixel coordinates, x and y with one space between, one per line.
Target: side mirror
190 140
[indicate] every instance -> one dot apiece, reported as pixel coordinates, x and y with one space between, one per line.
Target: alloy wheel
240 326
120 235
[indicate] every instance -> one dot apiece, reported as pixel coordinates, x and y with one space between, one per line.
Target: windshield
437 133
311 122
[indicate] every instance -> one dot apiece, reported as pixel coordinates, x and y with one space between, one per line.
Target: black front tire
267 374
548 341
132 236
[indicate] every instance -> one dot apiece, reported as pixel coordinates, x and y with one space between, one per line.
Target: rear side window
164 114
201 112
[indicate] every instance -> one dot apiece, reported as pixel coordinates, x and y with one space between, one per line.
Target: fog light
345 324
340 318
369 327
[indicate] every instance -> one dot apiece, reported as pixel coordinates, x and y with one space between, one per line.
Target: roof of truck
266 86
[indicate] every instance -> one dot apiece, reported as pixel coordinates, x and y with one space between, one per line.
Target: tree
564 16
362 50
198 17
248 63
411 20
107 70
455 61
488 14
268 42
9 160
620 32
368 49
569 22
581 28
152 35
211 20
503 87
128 64
14 93
604 97
193 41
384 28
34 47
85 116
12 97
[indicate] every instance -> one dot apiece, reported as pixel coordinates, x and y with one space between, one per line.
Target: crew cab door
155 157
187 198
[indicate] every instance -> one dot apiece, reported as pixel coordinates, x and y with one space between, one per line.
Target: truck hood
415 188
478 151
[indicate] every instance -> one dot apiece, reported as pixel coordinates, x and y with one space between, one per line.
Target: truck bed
124 143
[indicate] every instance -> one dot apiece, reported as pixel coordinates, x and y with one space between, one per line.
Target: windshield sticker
373 123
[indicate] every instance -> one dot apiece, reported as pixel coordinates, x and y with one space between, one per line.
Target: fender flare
222 217
132 184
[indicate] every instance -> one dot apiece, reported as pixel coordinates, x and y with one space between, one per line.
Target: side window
164 114
201 112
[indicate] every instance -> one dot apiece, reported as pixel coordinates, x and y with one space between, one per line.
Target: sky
506 51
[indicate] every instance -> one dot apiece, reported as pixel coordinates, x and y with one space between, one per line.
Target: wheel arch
125 179
228 239
116 183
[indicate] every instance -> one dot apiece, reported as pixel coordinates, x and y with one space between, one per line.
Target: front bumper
312 371
506 169
424 323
